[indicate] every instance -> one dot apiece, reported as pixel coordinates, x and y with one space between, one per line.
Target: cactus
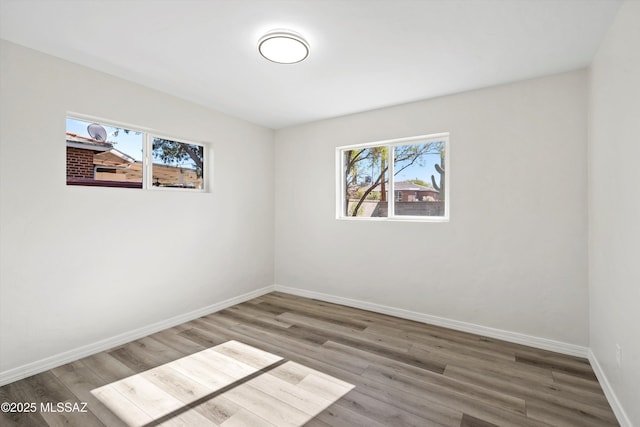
440 170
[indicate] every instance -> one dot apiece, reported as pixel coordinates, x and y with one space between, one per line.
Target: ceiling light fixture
283 47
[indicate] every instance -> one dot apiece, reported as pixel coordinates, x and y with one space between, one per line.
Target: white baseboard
38 366
514 337
618 410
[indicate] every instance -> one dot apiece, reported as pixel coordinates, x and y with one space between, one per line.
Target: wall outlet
618 355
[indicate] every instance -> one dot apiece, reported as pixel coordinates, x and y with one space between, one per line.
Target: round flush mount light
283 47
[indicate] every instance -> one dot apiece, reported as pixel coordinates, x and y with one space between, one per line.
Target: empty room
319 213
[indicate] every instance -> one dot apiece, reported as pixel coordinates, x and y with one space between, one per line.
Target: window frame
149 136
391 144
147 155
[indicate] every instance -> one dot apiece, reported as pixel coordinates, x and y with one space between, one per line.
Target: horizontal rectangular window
414 171
105 155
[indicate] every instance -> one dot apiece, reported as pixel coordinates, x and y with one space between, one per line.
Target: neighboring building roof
85 143
117 156
408 186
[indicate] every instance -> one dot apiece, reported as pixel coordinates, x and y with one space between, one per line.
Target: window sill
102 183
394 219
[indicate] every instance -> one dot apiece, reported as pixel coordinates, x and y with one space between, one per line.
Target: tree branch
368 191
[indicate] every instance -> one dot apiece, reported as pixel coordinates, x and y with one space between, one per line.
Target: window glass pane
102 155
177 164
418 173
366 181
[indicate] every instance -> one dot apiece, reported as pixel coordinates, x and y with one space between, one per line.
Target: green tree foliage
173 152
177 153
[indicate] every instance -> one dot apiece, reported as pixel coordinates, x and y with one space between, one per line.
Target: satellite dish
97 132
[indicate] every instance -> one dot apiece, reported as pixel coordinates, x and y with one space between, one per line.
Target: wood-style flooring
285 360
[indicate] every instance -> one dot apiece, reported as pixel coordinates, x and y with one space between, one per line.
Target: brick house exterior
86 155
79 163
407 191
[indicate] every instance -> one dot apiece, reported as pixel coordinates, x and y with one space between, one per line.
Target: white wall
614 207
513 256
80 264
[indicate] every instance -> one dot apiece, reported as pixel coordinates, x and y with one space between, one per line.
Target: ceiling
364 54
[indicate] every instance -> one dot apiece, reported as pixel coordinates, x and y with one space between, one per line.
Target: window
414 170
107 155
177 164
103 155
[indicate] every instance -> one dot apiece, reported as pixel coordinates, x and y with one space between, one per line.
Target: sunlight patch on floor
232 384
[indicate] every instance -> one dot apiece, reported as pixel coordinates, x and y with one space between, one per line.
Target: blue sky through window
417 171
421 169
129 143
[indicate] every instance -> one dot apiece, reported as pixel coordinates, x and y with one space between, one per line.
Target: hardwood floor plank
414 403
489 395
559 415
568 366
516 371
296 346
320 386
447 341
287 360
161 352
581 383
479 353
339 416
315 422
122 407
216 319
178 385
295 395
219 410
318 309
188 418
46 388
492 411
267 317
305 336
229 365
374 348
203 373
267 406
469 421
589 404
382 412
244 418
249 355
137 357
80 380
295 318
291 372
308 311
204 337
150 398
177 342
15 393
107 367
